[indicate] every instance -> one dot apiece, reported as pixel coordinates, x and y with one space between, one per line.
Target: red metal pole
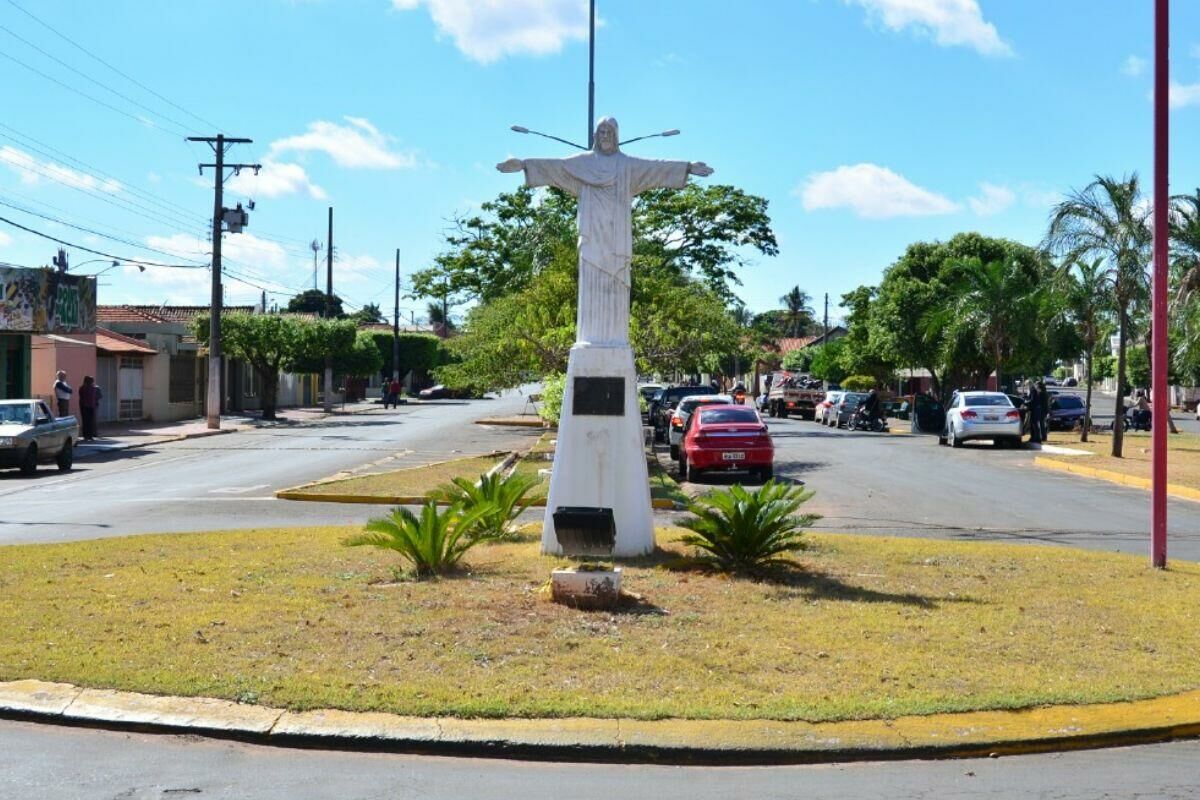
1158 387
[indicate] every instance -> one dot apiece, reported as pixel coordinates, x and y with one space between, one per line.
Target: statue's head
607 137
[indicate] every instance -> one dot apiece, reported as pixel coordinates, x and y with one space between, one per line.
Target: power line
25 140
96 100
95 57
122 259
87 77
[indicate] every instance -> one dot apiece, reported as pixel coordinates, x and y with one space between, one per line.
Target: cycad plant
499 500
740 530
434 541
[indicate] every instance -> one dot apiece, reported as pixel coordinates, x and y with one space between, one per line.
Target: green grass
413 481
1183 454
862 627
662 484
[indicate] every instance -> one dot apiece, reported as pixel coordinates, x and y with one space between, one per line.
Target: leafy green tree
799 312
860 353
320 339
799 360
1107 220
1185 282
312 301
267 342
827 362
362 360
370 314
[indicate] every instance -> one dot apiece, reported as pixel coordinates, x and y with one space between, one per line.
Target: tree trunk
270 392
1119 411
1087 403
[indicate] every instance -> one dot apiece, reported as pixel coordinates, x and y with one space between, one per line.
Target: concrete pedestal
599 461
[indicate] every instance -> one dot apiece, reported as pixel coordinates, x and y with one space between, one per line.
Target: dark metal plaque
583 531
599 397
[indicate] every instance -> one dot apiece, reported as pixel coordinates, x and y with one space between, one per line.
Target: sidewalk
144 433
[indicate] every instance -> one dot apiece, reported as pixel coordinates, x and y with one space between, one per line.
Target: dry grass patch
412 481
1183 455
862 627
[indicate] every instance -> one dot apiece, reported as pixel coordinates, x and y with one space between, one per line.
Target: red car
726 438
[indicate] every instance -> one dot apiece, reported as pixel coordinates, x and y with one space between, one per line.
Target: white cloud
871 191
5 239
244 247
32 171
359 145
488 30
949 22
1184 94
276 179
1133 66
992 199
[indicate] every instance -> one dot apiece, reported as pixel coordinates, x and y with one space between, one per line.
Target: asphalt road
909 486
48 763
228 481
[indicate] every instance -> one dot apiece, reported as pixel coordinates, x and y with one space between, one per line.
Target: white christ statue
605 180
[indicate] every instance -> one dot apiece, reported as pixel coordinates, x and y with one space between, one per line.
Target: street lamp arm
522 129
672 132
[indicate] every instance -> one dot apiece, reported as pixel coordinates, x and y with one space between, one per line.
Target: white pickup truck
29 435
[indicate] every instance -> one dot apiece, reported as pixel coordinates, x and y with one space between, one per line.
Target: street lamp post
1158 383
113 264
523 129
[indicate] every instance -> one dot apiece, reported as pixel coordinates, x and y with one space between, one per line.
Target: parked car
664 405
440 392
981 415
822 409
29 435
648 391
1066 411
726 437
1050 380
1070 381
685 409
841 413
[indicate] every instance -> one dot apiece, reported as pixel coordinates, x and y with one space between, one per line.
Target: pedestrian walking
1043 419
89 405
1033 402
393 393
62 394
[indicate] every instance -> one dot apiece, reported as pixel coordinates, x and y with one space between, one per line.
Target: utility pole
591 72
396 324
219 144
329 311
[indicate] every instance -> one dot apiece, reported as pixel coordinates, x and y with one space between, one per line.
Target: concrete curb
511 423
94 450
671 741
1173 489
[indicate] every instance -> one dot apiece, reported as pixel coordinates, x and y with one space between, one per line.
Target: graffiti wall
46 301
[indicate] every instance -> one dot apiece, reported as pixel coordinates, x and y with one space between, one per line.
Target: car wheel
693 474
66 457
955 441
942 439
658 435
29 462
675 452
766 473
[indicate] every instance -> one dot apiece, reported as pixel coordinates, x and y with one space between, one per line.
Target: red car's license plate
733 456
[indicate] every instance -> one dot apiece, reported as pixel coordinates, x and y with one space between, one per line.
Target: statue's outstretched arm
512 165
700 168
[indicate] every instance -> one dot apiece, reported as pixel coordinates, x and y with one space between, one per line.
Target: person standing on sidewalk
62 394
89 406
1034 402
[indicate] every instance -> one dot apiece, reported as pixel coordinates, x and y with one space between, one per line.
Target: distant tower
316 250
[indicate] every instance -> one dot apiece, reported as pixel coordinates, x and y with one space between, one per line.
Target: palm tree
1107 220
1185 276
1085 293
799 313
995 300
435 311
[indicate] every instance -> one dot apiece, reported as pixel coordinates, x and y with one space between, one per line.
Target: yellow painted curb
511 423
975 733
1173 489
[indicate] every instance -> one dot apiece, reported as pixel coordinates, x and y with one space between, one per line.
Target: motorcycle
1137 420
862 422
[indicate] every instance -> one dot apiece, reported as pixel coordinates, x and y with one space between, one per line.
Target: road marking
239 489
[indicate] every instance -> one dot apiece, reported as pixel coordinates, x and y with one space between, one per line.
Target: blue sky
867 124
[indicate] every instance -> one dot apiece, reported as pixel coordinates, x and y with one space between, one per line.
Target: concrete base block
586 588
